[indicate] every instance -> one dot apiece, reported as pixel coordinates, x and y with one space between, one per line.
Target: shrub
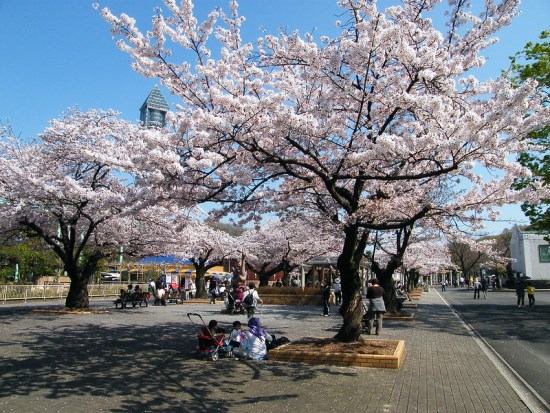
289 291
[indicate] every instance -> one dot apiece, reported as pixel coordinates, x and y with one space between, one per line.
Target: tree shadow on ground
143 367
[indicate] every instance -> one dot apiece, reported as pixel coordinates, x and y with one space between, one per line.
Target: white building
530 254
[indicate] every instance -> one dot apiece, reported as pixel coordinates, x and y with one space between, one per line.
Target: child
238 340
531 294
237 335
214 328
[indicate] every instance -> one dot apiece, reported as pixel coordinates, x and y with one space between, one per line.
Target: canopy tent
169 260
222 275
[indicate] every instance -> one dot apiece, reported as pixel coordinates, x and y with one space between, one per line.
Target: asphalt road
519 335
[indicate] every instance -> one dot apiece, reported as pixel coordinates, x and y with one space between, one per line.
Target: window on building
544 253
156 117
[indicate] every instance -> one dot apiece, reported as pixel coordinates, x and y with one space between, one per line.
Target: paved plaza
142 360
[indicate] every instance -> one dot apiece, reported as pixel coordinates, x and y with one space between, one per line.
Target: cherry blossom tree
469 254
205 246
376 129
281 246
426 256
67 189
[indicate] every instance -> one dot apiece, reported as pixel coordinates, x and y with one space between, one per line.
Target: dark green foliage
534 62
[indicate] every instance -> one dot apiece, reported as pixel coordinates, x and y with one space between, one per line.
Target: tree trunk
348 266
80 277
78 292
385 278
264 278
200 270
200 283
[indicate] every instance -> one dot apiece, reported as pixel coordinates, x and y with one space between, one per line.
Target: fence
54 291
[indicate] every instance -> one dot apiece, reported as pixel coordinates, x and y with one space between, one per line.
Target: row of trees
379 135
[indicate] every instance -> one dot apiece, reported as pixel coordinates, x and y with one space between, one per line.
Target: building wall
525 251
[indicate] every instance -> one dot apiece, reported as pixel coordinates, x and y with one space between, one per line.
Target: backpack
249 300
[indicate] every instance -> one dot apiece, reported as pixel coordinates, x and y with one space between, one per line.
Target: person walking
520 292
477 289
337 287
376 307
443 285
213 290
325 289
484 286
531 294
251 299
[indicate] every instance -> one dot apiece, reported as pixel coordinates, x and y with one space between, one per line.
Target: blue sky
57 54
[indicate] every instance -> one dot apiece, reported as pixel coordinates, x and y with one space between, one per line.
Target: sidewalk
141 360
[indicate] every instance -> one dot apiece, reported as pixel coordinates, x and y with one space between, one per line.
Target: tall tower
153 111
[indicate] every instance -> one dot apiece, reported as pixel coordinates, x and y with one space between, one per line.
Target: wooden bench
173 297
134 299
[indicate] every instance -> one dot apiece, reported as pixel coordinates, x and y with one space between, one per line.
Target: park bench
173 297
134 299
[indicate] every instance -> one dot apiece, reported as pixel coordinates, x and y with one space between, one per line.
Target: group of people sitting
247 344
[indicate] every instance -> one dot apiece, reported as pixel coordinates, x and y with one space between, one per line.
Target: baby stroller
365 320
209 345
233 304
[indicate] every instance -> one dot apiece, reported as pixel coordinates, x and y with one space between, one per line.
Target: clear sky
57 54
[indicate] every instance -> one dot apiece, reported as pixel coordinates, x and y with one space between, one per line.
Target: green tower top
153 111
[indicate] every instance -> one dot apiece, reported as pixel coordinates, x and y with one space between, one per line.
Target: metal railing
54 291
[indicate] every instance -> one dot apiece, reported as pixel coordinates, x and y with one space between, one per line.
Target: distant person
325 290
192 289
520 292
160 296
531 294
213 290
477 289
443 285
376 307
251 299
151 287
337 287
484 286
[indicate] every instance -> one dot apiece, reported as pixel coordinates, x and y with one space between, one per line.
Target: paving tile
141 360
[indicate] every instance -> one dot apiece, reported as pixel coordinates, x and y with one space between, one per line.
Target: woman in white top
256 337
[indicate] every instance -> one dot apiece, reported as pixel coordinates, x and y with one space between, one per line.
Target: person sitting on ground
237 334
214 328
237 340
256 340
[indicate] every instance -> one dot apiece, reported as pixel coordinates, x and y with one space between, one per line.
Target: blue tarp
164 260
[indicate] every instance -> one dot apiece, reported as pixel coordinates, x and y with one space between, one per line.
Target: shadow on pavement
145 367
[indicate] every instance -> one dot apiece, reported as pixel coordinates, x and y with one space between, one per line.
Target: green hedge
308 291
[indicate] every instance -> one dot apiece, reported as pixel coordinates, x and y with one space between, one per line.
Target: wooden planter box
284 353
290 299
